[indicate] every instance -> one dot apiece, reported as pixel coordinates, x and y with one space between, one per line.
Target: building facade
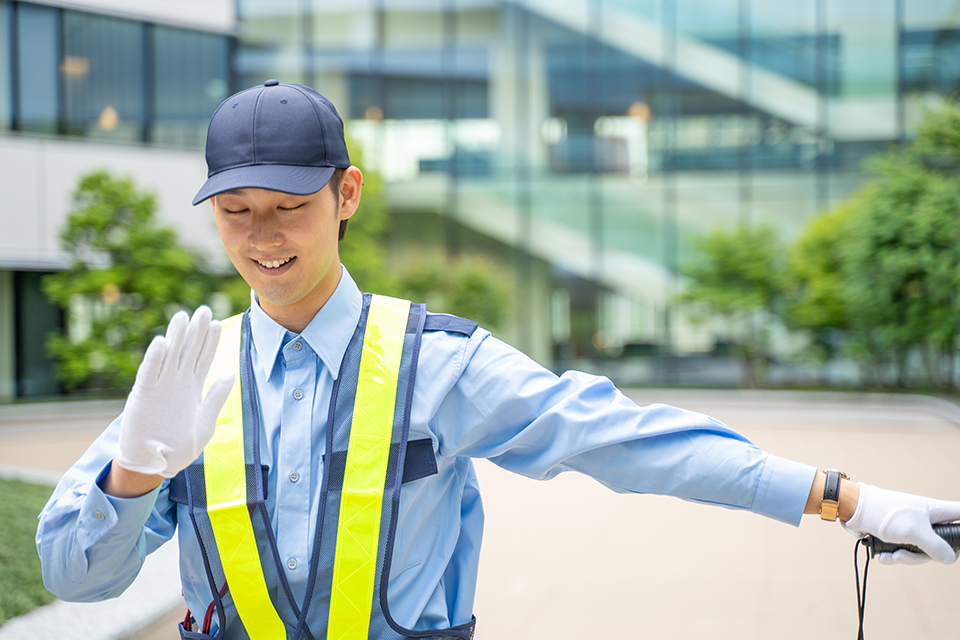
125 86
596 138
583 143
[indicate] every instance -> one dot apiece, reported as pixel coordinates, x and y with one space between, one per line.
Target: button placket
293 519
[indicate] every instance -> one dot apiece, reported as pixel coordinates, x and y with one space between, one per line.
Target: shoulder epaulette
449 323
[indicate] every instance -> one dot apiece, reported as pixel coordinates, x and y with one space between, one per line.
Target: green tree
471 287
815 285
903 268
737 276
127 273
884 267
362 248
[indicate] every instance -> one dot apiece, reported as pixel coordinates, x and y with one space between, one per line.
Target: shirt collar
328 334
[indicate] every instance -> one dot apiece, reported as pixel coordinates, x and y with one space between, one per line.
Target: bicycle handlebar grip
949 531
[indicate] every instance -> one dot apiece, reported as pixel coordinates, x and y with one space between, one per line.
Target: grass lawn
21 587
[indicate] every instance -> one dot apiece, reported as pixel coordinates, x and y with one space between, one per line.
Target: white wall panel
209 15
38 177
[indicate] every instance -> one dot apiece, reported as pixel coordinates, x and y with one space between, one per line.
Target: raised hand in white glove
905 519
165 424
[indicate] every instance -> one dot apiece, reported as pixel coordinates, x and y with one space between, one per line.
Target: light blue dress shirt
474 398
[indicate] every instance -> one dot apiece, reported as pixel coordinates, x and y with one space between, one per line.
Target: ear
350 187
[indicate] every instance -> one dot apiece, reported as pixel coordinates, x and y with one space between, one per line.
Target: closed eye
237 211
290 208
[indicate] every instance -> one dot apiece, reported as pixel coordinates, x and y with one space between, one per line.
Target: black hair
335 181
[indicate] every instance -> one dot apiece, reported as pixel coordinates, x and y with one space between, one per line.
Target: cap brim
299 181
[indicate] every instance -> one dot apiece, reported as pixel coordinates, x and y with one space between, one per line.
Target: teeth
275 263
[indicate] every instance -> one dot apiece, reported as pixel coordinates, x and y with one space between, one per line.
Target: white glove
165 425
905 519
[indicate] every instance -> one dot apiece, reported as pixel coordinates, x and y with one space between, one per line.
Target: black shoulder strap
449 323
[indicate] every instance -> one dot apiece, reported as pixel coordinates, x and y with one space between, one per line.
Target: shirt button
297 345
292 563
297 394
100 516
294 476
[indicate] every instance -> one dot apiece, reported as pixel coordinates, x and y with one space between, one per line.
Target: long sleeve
92 545
509 409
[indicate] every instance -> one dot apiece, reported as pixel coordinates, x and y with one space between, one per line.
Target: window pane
931 54
37 68
37 317
4 65
862 112
192 73
103 76
272 33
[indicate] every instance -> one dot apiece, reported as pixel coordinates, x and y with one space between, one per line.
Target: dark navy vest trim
420 462
197 470
178 484
449 323
256 490
443 322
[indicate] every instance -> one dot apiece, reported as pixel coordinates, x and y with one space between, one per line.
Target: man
322 486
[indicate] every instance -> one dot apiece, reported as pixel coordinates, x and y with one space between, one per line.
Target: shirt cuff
101 514
783 490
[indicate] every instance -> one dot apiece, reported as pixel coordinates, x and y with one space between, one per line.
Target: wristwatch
830 505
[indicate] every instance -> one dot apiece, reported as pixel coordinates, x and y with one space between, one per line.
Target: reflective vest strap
368 451
226 486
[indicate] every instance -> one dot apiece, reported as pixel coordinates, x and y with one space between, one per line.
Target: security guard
313 453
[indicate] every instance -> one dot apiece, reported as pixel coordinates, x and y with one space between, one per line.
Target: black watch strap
831 490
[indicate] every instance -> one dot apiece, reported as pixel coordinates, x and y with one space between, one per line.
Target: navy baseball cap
277 136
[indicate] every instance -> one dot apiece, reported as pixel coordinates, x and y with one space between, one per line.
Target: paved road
569 559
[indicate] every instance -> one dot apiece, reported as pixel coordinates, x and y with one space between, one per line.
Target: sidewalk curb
27 412
35 476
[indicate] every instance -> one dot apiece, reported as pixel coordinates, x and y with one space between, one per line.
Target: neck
295 316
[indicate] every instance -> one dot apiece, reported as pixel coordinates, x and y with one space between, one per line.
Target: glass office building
581 143
78 87
593 139
107 78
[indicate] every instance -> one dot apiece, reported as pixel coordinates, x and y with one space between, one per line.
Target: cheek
231 235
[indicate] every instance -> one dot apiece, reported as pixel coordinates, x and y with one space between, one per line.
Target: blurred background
579 161
672 193
668 192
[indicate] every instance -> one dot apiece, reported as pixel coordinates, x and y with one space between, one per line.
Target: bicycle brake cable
861 593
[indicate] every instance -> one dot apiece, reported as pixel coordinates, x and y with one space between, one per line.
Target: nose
265 231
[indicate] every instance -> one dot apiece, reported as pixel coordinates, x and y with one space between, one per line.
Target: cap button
271 83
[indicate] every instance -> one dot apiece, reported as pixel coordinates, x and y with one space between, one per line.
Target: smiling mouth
273 264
